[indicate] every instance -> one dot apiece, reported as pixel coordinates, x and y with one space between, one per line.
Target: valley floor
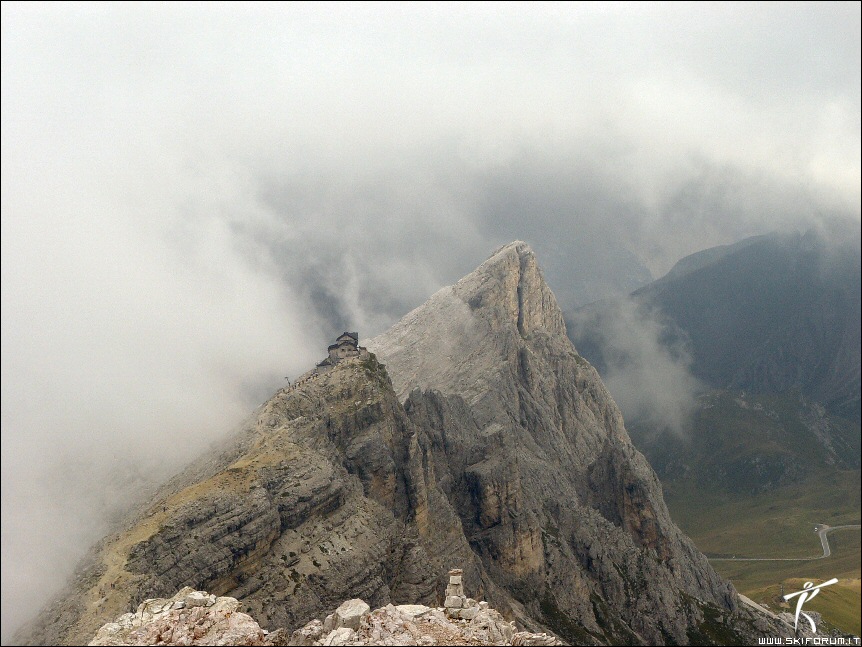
780 524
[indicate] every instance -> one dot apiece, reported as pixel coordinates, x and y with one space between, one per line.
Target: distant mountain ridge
770 314
706 257
746 444
765 442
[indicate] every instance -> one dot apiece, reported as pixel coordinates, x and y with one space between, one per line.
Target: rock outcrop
497 449
353 623
188 618
198 618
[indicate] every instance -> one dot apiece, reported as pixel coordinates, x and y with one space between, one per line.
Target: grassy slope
744 444
708 483
781 523
840 604
778 523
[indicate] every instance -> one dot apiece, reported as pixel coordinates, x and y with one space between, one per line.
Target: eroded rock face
531 450
329 493
508 457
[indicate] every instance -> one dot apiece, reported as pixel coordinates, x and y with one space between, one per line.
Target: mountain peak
466 328
518 246
519 423
510 288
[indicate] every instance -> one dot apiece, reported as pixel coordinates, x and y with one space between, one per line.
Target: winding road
821 529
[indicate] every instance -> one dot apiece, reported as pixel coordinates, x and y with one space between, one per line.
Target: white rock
454 589
453 602
350 613
413 610
228 605
221 623
329 623
523 638
468 613
308 634
126 620
199 599
490 626
189 618
341 636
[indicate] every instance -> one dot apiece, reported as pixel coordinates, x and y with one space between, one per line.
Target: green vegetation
742 444
839 604
751 480
781 524
615 631
750 577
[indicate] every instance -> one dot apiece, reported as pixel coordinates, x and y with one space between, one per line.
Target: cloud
646 369
196 197
124 354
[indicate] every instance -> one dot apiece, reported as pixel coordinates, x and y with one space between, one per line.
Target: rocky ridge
322 497
188 618
461 621
489 443
198 618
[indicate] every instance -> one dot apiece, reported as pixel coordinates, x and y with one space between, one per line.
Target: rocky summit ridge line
489 443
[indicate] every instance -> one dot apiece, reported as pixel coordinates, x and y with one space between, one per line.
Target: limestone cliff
530 449
498 449
324 496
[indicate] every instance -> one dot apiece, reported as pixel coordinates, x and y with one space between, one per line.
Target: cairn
458 605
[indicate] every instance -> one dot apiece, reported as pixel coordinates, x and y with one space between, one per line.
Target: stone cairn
458 605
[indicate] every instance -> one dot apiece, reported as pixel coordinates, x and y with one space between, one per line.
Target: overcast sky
196 197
